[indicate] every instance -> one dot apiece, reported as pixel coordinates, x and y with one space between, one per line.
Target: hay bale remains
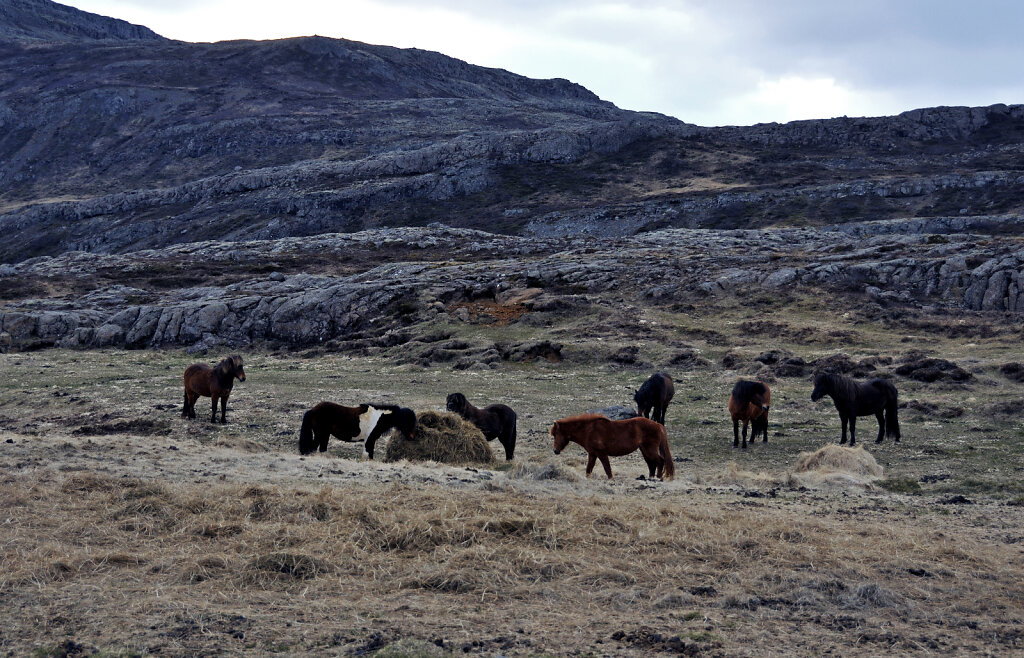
441 437
836 466
839 459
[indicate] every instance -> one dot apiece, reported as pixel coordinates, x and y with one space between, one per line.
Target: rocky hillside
113 140
34 21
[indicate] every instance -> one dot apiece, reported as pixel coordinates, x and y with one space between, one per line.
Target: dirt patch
1013 371
141 426
930 369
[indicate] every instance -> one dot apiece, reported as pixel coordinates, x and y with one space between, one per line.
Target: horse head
643 404
820 387
456 402
405 422
560 437
236 367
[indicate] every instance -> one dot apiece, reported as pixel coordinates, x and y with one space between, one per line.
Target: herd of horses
599 436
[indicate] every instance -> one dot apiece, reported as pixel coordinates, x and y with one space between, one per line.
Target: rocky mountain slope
112 140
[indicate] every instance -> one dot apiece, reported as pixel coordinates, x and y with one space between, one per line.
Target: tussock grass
304 563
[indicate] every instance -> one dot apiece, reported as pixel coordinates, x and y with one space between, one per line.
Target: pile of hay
441 437
838 466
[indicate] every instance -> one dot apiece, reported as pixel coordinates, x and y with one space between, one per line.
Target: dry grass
118 563
441 437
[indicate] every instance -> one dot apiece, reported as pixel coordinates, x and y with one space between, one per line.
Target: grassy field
128 530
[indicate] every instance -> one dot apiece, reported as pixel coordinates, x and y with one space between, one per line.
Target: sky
708 62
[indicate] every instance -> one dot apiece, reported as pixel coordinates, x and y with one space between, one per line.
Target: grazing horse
496 421
749 403
853 398
654 395
214 383
603 438
366 423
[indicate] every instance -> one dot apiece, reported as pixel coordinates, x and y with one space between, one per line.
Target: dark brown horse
853 398
654 395
603 438
214 383
496 421
749 403
366 423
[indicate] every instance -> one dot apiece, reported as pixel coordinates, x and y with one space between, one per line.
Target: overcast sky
709 62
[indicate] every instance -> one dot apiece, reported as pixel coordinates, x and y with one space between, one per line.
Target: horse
654 395
603 438
366 423
214 383
853 398
496 421
749 402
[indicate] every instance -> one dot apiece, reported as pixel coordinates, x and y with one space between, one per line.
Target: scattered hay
551 470
838 466
441 437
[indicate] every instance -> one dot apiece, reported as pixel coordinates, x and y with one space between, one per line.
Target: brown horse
365 423
496 421
214 383
749 403
603 438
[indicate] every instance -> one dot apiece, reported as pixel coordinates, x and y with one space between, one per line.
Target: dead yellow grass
119 563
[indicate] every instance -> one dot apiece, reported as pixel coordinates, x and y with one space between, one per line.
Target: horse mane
841 385
228 365
582 418
745 390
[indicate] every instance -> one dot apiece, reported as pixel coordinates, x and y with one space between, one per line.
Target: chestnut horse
749 402
365 423
603 438
214 383
853 398
496 421
654 395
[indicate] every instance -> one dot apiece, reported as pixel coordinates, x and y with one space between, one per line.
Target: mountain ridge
114 145
39 20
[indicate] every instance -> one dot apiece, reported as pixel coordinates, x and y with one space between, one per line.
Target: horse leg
735 433
843 419
745 422
853 430
591 460
321 439
881 426
606 464
223 409
213 417
184 406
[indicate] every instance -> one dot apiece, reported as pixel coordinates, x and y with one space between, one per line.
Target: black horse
654 395
853 398
496 421
365 423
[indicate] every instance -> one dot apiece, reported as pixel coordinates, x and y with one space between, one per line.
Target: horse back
197 378
621 437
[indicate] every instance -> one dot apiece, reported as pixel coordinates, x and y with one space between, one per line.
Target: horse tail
666 454
892 422
306 433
